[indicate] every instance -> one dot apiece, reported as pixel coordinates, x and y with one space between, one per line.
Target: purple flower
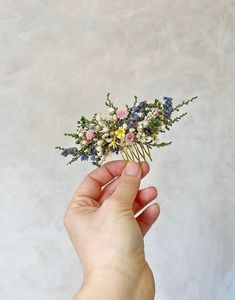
168 108
93 154
168 100
84 157
143 104
135 109
130 124
135 117
64 153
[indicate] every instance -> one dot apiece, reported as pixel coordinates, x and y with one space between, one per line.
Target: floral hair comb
130 131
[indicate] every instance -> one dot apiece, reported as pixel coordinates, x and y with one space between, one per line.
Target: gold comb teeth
136 152
130 131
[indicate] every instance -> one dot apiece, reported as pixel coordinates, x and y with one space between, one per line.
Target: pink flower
90 134
121 113
85 142
129 138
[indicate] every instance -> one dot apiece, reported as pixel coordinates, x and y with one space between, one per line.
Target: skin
108 237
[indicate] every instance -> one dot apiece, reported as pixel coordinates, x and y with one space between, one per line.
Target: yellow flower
113 144
120 133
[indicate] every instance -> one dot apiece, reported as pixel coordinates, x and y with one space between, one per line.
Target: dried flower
131 131
129 138
90 134
122 113
120 133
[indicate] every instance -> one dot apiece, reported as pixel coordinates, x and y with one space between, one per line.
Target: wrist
118 284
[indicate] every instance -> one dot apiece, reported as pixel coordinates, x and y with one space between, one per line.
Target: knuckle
156 190
67 219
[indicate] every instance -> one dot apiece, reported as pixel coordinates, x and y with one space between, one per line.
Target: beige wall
58 60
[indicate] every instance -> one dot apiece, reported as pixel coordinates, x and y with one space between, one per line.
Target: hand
107 237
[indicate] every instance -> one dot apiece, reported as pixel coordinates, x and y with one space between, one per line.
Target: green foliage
109 103
177 119
184 102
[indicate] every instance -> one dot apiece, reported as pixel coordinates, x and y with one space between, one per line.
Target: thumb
128 186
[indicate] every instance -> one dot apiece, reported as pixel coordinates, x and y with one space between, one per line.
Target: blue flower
64 153
143 104
135 109
168 108
130 124
168 111
84 157
135 117
93 154
169 99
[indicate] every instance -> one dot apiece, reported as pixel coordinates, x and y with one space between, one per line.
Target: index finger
92 184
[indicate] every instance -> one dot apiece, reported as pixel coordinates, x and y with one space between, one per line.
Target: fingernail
132 168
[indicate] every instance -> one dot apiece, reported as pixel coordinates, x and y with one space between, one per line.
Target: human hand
107 237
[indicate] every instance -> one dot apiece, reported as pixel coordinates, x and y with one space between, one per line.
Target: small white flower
98 117
79 147
146 123
111 110
132 130
97 128
109 140
105 129
124 126
114 117
101 123
81 134
99 149
100 142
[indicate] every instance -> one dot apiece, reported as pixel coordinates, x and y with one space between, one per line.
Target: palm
95 200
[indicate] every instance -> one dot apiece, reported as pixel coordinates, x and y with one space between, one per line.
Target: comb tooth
128 154
141 150
147 151
123 155
134 155
136 152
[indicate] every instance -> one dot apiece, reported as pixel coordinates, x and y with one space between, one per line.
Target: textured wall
58 60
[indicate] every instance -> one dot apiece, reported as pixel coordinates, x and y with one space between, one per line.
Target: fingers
128 186
110 188
148 217
92 184
144 197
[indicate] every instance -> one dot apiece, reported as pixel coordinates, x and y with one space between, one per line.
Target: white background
58 60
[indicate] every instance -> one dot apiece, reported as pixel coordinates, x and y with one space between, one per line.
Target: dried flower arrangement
130 131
